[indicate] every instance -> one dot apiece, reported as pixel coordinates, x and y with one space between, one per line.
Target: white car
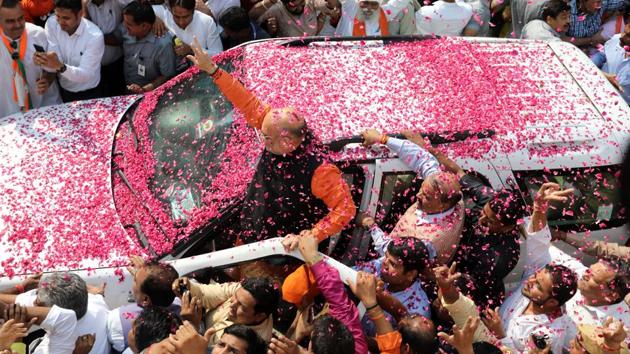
87 184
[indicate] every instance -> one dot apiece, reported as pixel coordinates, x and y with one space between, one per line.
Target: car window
190 129
398 192
595 205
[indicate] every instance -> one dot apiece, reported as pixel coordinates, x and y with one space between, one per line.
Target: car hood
56 206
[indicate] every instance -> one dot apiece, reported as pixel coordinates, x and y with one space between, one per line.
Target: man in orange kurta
295 190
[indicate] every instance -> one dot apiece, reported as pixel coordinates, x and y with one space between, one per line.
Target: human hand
533 348
371 137
182 49
32 282
272 26
97 290
137 262
366 221
283 345
290 242
48 59
10 332
550 192
201 59
614 333
179 284
42 86
135 88
364 288
19 314
191 309
308 248
446 277
492 320
598 38
84 344
462 339
159 28
187 340
612 78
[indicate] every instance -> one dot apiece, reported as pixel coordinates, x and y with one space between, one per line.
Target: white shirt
443 18
202 26
519 327
218 6
35 35
60 326
539 29
618 63
580 313
91 323
108 16
115 334
350 9
81 52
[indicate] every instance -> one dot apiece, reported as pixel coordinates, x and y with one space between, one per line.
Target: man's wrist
62 68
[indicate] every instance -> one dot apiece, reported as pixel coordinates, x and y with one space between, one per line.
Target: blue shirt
585 25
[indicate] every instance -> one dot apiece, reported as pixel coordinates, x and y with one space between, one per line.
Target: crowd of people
68 50
436 283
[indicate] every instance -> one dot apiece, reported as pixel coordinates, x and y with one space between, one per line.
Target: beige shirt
290 25
217 299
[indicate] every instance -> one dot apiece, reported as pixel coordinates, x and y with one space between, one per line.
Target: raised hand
462 339
371 137
492 320
191 309
201 59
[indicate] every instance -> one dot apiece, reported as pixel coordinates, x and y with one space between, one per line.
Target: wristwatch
62 70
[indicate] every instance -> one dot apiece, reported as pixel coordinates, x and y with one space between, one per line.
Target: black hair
564 283
411 251
153 325
158 284
554 8
74 5
234 18
626 20
508 206
421 340
264 291
10 4
140 11
485 348
255 344
186 4
330 336
620 284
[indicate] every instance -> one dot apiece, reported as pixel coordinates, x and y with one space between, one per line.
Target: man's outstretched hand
201 59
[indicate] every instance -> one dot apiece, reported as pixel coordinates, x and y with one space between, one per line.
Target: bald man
295 190
437 216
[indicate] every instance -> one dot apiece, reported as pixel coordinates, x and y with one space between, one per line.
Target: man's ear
553 303
145 301
259 317
411 275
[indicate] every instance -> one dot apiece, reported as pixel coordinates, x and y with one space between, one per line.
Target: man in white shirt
107 15
75 50
555 21
374 18
186 23
24 85
444 18
617 65
69 291
535 308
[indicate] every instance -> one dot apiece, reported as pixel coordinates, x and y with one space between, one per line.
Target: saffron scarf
17 55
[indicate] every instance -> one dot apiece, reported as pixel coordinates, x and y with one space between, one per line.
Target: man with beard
617 52
489 247
536 307
295 18
295 189
375 18
554 22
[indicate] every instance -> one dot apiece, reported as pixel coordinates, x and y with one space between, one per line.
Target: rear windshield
596 204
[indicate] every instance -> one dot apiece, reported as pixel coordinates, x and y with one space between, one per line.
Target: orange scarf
18 66
359 26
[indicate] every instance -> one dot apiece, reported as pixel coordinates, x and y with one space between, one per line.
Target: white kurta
350 8
443 18
202 26
36 35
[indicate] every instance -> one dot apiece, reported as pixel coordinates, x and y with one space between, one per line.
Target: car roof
526 91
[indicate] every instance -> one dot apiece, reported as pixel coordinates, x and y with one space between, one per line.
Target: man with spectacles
25 86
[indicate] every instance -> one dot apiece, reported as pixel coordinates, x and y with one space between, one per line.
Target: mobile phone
39 48
540 340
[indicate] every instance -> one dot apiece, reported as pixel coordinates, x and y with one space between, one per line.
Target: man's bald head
284 129
439 192
418 335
